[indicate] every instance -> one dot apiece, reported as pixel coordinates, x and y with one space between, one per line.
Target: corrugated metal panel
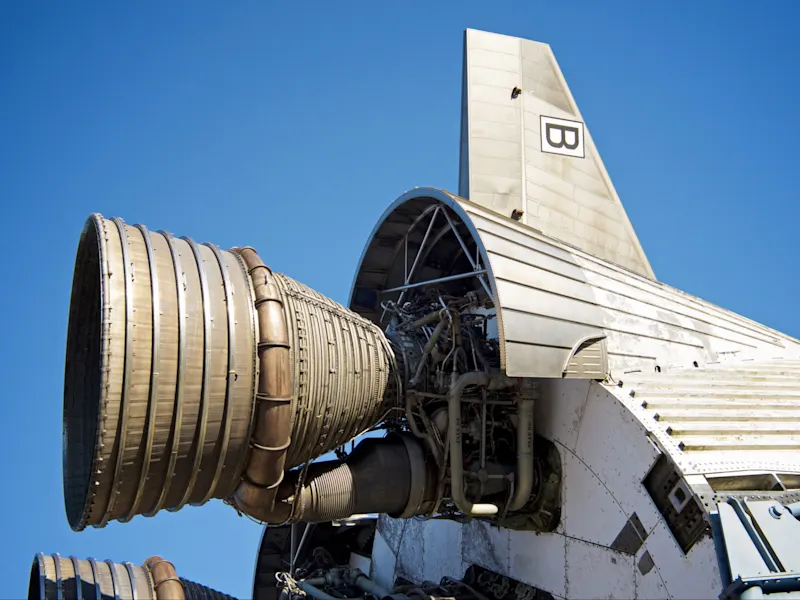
589 361
731 417
550 296
505 165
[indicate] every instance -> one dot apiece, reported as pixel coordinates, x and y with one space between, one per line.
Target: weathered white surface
559 414
552 296
597 572
441 542
384 562
605 455
649 584
613 444
603 520
487 546
695 575
723 418
539 560
507 163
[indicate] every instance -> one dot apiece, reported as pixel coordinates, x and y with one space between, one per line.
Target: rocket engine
195 373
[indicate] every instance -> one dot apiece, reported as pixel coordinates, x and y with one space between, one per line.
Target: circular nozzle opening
35 586
82 376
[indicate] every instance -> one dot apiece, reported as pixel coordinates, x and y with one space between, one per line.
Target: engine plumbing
195 373
476 423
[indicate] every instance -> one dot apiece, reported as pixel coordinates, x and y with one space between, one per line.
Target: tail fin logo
560 136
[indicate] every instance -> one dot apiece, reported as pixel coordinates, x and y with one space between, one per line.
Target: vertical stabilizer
526 152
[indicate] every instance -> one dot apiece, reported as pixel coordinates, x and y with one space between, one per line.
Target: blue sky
291 126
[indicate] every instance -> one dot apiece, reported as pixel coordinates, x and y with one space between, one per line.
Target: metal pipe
422 245
292 549
431 317
317 593
456 456
423 435
165 579
408 286
382 475
299 549
365 584
428 348
483 428
273 418
524 475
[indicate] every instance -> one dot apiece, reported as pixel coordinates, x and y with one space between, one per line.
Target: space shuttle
553 421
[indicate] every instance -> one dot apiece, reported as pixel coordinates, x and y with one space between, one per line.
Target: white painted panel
621 313
695 575
589 511
494 77
383 562
574 264
442 542
649 585
410 561
493 95
525 360
597 572
487 112
493 60
499 167
495 131
539 560
486 546
614 445
493 41
550 181
391 530
534 329
560 408
493 149
496 184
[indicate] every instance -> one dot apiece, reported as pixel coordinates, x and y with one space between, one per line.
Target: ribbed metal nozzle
160 373
194 372
57 578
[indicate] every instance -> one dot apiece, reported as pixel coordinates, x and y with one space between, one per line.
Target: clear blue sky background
292 126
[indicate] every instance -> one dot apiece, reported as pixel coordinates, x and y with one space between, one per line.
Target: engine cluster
457 401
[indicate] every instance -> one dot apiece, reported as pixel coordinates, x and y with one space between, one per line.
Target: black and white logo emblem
560 136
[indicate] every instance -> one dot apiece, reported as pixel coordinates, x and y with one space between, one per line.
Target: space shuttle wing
526 151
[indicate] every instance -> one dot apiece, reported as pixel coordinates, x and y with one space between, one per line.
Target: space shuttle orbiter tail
526 152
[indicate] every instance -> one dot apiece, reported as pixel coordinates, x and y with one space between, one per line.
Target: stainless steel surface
549 296
341 384
165 401
506 165
56 578
157 408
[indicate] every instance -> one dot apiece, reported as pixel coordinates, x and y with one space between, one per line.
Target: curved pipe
523 484
165 579
382 475
272 429
456 456
56 578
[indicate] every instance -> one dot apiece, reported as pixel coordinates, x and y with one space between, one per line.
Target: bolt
776 512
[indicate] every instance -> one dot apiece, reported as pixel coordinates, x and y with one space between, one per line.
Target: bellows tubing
57 578
195 373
